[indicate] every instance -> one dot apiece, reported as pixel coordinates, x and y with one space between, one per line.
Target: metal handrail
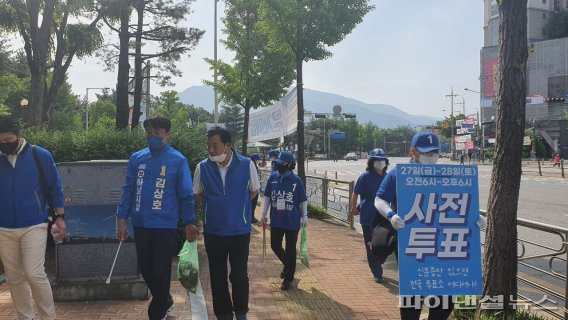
555 254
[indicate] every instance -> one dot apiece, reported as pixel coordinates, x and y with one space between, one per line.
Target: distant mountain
383 115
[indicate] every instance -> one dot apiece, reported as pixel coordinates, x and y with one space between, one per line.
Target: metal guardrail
331 194
335 196
543 168
542 265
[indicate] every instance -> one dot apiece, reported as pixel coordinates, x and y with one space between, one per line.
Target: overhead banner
439 248
276 121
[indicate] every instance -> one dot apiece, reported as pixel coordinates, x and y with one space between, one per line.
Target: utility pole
452 144
216 102
147 111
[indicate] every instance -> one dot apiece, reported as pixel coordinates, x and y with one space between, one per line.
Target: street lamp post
216 101
481 123
452 144
87 105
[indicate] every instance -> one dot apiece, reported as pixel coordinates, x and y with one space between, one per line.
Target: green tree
500 254
67 110
447 123
262 69
369 136
50 44
309 28
169 106
198 115
158 25
232 117
100 110
72 40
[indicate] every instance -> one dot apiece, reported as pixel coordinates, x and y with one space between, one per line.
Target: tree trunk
123 69
37 94
37 40
300 131
138 64
245 130
500 263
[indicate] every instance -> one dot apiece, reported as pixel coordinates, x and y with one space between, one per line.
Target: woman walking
366 187
288 203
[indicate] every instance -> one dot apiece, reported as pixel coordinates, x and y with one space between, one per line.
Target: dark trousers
375 263
254 201
155 249
441 312
287 256
236 249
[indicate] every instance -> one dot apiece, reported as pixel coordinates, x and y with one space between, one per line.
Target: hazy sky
406 53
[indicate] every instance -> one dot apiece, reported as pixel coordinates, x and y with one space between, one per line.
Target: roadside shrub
464 309
315 211
102 143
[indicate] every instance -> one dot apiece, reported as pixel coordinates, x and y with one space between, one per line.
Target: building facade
547 72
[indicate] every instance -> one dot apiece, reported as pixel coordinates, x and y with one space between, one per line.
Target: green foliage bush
464 309
106 143
315 211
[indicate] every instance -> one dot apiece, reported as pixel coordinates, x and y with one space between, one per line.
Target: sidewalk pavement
338 285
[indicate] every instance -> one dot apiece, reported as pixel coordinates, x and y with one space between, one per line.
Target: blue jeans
375 264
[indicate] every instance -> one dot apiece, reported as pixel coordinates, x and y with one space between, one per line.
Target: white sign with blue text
439 248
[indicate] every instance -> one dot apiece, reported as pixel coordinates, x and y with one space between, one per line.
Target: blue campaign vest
226 209
291 189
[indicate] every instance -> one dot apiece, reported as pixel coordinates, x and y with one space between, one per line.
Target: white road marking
198 306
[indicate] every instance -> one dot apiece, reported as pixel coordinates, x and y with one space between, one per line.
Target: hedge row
109 144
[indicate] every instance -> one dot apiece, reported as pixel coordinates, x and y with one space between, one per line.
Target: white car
351 156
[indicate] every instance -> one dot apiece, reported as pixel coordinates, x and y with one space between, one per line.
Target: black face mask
8 147
283 168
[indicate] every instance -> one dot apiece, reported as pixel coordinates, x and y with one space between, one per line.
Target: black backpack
383 239
46 195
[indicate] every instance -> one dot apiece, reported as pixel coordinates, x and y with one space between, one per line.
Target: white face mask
379 165
220 158
428 160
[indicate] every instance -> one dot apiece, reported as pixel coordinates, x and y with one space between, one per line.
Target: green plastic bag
304 248
188 266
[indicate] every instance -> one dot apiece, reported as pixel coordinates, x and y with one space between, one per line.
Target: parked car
351 156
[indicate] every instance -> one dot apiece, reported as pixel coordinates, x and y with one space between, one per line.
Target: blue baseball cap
425 142
285 157
377 153
273 153
255 156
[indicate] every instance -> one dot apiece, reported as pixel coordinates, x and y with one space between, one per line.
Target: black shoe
285 285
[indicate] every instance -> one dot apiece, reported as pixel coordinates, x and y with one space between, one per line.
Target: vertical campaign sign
439 248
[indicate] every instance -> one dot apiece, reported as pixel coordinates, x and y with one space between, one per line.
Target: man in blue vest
226 182
156 193
24 202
